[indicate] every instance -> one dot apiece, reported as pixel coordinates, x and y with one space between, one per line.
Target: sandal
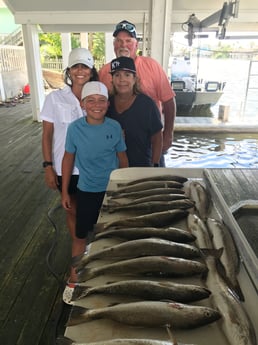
68 293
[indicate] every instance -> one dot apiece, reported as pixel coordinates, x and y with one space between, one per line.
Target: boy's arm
123 160
67 168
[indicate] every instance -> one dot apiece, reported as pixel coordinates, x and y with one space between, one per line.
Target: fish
61 340
153 206
146 185
147 265
170 233
199 194
149 314
222 238
146 192
157 219
154 197
146 289
198 227
235 322
167 177
141 247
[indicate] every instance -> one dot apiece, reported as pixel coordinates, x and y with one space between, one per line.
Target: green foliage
222 51
51 45
98 46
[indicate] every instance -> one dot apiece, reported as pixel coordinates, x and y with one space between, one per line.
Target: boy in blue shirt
95 144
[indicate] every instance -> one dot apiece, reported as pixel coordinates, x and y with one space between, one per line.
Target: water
235 73
207 150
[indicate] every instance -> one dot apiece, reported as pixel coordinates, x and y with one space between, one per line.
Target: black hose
51 250
62 308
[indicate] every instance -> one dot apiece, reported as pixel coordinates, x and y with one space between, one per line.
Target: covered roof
154 19
101 15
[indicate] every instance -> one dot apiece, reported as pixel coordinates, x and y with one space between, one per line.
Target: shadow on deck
32 311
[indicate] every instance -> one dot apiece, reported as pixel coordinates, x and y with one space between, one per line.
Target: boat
194 97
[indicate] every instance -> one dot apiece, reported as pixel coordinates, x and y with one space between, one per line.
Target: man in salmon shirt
153 79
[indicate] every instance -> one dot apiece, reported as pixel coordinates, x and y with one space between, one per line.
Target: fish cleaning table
226 187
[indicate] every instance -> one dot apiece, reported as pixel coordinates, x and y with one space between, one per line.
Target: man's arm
169 111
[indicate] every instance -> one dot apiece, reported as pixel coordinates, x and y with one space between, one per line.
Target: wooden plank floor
32 311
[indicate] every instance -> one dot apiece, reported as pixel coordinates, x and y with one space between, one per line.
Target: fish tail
61 340
99 228
84 274
76 259
234 288
80 292
77 316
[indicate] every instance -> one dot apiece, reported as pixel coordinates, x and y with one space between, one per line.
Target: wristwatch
155 165
46 164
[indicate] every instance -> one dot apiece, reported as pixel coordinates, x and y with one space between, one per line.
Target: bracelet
46 164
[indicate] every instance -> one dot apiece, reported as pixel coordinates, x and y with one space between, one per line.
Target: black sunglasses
126 26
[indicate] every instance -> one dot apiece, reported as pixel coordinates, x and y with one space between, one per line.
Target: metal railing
14 39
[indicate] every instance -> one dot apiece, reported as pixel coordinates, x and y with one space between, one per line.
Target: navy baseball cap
123 63
125 26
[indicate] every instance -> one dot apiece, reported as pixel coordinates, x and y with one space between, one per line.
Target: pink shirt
153 80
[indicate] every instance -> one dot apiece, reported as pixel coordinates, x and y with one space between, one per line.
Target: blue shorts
87 212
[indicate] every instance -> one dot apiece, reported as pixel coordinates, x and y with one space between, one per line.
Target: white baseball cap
80 55
94 88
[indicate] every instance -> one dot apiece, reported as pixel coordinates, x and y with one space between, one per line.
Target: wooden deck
32 311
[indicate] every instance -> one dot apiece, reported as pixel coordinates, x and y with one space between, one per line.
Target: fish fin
233 287
171 335
83 274
99 227
76 260
80 292
236 291
216 253
61 340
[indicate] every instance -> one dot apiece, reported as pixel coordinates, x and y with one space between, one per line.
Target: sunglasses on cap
126 26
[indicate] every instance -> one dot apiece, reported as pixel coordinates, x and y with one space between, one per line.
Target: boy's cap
125 26
94 88
123 63
80 55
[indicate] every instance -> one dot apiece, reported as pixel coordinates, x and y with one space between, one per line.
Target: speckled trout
141 247
148 192
146 289
122 341
171 234
157 219
146 185
154 197
235 322
149 314
222 238
198 193
147 265
153 206
166 177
